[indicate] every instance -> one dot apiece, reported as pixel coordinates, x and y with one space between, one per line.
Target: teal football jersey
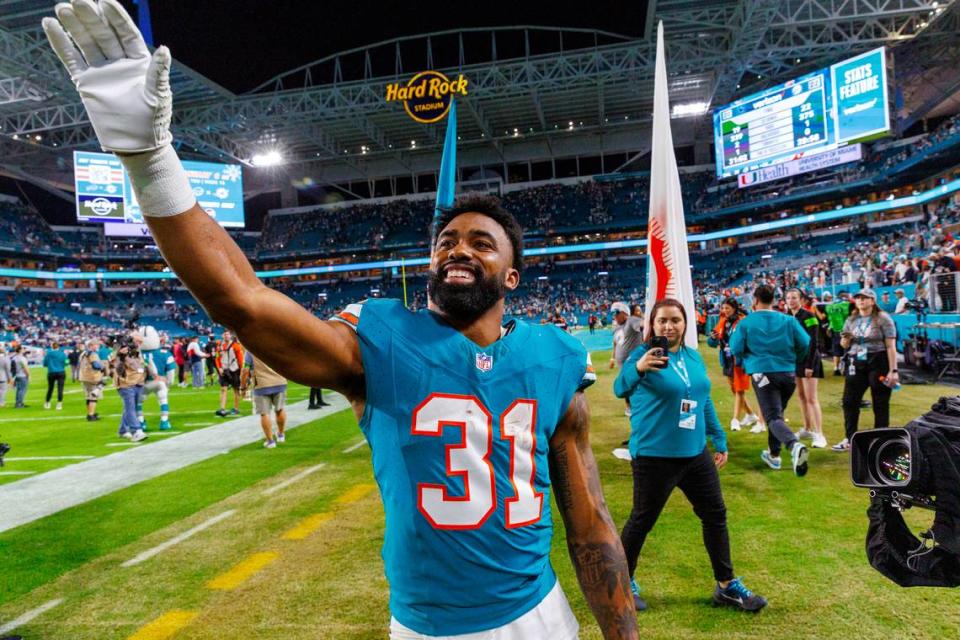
459 436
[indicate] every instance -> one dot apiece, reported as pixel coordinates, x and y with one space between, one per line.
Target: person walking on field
92 371
672 418
269 396
55 361
730 315
770 344
809 372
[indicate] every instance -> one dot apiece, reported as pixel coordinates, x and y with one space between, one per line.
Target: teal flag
447 183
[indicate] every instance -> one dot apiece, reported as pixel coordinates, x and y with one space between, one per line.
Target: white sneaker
280 438
138 436
843 445
59 406
757 428
46 405
804 434
819 441
269 444
127 435
734 424
749 419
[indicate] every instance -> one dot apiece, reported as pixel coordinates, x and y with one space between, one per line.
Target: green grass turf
35 431
797 541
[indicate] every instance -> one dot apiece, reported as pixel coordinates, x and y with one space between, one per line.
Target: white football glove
125 90
127 95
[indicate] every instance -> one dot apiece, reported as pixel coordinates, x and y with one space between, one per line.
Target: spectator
180 358
870 338
837 314
55 361
6 374
671 389
316 399
21 372
269 395
902 302
730 315
228 359
770 344
73 357
809 371
196 356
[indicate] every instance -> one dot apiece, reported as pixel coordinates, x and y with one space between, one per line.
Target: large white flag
668 262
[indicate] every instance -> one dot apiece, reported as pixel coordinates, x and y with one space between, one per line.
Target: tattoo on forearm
602 571
560 470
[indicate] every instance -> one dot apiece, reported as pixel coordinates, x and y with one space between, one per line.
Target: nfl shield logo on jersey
484 362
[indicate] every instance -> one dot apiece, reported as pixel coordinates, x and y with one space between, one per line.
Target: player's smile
460 274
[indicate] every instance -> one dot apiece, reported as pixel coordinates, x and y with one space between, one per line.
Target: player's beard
465 302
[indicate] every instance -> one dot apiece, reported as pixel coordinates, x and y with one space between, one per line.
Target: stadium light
268 159
689 109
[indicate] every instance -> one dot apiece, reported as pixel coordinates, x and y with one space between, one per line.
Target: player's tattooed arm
592 539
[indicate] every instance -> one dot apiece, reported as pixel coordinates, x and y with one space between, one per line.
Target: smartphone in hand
661 343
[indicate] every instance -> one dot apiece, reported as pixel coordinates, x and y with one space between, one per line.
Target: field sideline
285 548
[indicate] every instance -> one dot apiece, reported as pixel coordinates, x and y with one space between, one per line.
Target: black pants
316 397
773 397
58 379
654 479
866 376
180 372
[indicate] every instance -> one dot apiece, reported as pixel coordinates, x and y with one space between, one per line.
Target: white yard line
17 473
9 459
29 616
206 524
48 493
354 447
81 416
289 481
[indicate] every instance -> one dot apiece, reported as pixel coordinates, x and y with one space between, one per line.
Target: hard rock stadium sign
427 95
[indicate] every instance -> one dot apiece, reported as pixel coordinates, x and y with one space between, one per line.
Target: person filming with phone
671 418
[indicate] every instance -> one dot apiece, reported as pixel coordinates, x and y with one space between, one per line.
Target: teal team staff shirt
55 361
769 342
661 424
459 436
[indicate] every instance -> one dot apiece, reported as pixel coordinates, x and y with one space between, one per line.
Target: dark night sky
241 43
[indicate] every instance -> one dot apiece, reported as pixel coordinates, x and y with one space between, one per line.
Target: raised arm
126 92
592 539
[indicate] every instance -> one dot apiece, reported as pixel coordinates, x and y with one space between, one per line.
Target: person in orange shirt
229 362
730 315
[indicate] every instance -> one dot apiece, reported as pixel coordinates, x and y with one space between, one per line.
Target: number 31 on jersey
470 461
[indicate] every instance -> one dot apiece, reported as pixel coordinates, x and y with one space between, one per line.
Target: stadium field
285 543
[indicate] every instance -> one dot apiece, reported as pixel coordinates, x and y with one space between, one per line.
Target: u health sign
427 96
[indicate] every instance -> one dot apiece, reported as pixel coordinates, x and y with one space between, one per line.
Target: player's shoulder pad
352 313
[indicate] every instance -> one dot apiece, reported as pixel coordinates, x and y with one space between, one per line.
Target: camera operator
92 371
228 359
129 375
870 339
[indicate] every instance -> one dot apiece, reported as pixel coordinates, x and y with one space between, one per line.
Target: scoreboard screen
842 104
104 193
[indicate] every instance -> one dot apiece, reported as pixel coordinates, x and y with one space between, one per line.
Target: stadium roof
330 120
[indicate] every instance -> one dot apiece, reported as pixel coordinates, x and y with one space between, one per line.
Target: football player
471 423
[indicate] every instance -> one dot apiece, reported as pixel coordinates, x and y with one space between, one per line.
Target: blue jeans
197 372
21 384
130 397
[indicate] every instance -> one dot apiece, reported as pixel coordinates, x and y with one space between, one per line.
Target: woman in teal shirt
671 417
